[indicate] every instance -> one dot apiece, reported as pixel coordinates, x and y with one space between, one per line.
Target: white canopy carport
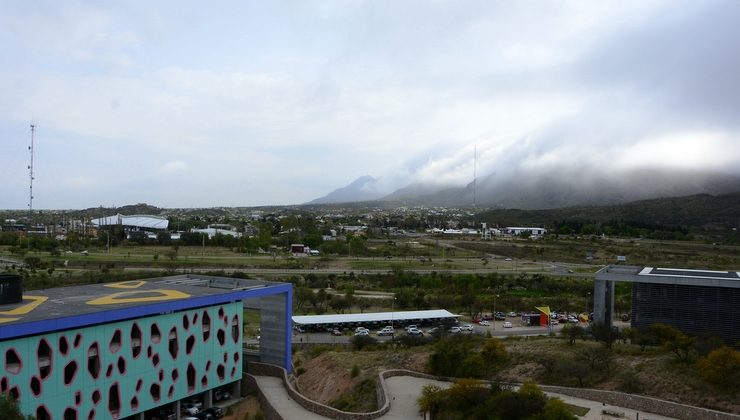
375 317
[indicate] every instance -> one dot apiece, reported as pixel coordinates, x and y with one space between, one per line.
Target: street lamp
393 312
494 312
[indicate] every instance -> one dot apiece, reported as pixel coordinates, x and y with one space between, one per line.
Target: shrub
355 371
628 381
721 367
318 350
360 342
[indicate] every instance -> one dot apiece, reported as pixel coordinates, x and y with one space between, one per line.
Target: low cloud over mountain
551 188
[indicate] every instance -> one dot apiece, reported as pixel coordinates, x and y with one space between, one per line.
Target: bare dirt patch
328 377
247 407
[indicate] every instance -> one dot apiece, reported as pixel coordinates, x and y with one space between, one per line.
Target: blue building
119 350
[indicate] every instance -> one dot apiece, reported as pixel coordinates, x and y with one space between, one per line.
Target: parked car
387 331
220 395
454 330
414 331
507 324
511 314
466 327
336 332
214 412
485 323
362 332
433 331
411 327
190 409
358 329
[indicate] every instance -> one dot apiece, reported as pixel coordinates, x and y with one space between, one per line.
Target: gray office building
698 302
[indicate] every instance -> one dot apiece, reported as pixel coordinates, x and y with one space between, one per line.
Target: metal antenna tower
30 176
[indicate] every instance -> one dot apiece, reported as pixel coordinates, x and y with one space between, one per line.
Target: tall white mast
30 177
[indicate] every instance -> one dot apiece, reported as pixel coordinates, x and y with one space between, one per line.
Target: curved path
274 391
403 391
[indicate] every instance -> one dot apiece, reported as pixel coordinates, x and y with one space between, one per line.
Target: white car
362 332
466 327
190 410
454 330
485 323
358 329
507 324
414 331
387 331
411 327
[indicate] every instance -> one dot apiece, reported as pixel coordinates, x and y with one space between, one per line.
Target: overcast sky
192 104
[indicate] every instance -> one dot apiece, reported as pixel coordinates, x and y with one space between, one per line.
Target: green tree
555 409
675 341
572 333
164 238
604 333
33 262
431 400
494 354
302 296
447 355
721 367
9 409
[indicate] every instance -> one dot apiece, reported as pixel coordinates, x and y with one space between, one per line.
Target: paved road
289 272
499 331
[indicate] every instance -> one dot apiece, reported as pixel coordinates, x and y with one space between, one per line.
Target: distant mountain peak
364 188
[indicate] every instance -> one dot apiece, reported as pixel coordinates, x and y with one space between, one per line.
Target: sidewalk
276 394
403 391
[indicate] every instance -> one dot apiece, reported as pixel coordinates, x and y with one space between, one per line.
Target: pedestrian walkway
597 409
275 392
403 391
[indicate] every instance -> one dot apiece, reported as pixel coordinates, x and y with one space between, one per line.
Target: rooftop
72 307
682 276
397 316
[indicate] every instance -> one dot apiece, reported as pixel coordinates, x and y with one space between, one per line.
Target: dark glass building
697 302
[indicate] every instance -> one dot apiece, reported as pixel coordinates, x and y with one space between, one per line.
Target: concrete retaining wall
263 369
634 402
267 409
642 403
